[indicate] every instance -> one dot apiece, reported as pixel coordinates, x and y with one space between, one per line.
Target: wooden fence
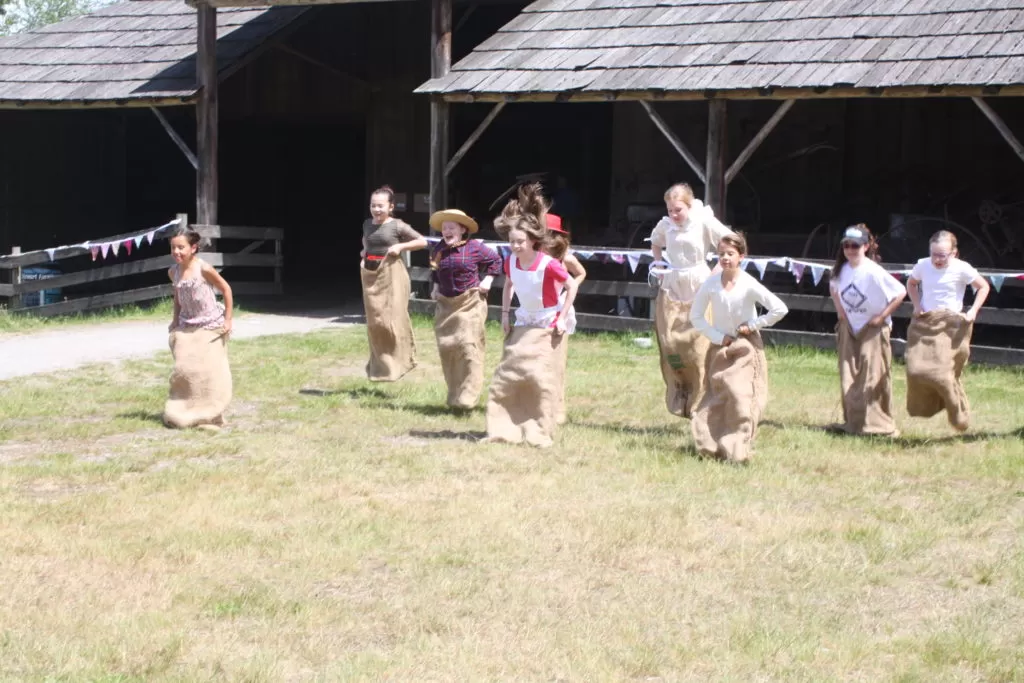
13 286
815 303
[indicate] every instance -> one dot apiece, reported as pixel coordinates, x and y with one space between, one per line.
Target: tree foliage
26 15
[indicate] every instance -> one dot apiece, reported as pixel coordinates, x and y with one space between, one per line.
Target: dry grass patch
343 530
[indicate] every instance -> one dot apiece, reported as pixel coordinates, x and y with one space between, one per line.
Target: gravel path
75 346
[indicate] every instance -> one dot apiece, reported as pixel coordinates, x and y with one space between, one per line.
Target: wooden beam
133 103
349 78
674 140
238 232
1001 126
749 150
471 140
718 147
182 145
207 115
440 65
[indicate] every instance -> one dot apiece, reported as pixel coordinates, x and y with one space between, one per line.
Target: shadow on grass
143 415
356 393
916 441
475 437
631 430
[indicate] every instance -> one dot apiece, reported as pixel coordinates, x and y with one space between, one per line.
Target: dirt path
75 346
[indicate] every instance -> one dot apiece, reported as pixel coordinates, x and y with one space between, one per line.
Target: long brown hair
558 245
525 212
871 252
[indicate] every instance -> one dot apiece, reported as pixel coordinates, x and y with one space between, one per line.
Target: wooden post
15 300
182 145
1001 126
715 187
471 140
440 65
206 115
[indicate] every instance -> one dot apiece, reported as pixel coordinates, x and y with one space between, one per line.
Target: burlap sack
938 346
386 301
865 378
523 395
201 379
459 328
735 394
683 353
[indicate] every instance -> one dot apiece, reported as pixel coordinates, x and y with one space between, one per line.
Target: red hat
554 223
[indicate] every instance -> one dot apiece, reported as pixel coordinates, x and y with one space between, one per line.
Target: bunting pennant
762 265
797 269
817 272
997 282
149 236
128 246
95 252
115 247
49 252
634 261
585 255
618 257
138 240
104 249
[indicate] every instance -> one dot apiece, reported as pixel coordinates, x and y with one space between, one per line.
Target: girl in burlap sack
386 288
939 338
462 270
865 296
200 384
736 378
524 392
680 244
558 247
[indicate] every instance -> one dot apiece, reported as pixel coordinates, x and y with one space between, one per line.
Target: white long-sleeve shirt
734 307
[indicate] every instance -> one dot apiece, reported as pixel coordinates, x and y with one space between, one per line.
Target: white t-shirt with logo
943 288
865 291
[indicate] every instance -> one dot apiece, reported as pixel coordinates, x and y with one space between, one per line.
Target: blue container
46 296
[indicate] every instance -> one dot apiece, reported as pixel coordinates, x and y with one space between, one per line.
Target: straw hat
455 216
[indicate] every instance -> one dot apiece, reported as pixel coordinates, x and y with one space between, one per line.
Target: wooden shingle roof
129 53
589 49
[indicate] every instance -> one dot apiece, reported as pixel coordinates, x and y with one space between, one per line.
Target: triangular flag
762 265
797 269
49 252
138 240
115 246
585 255
781 262
105 249
95 252
128 246
149 236
997 282
634 261
817 272
618 257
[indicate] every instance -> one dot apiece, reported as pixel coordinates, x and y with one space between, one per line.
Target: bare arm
981 292
506 303
838 303
217 281
575 268
571 287
177 305
894 303
914 290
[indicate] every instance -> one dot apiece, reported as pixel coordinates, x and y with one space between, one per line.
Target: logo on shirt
853 298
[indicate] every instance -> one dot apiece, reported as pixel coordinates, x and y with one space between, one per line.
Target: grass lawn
345 531
19 321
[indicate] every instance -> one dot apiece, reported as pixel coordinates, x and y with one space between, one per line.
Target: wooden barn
791 117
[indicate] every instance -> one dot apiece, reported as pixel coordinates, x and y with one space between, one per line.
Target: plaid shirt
457 269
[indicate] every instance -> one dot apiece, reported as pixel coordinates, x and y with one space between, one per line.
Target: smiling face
854 252
678 211
453 232
521 244
181 250
380 208
729 257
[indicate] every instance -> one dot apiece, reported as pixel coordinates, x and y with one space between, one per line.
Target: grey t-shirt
387 234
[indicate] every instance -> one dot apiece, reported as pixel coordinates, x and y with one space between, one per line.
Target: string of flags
128 242
796 267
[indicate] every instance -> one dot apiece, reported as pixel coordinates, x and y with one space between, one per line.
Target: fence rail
991 355
13 265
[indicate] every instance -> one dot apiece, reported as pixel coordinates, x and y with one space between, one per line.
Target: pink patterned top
198 302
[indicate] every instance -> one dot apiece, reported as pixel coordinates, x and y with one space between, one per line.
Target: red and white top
537 289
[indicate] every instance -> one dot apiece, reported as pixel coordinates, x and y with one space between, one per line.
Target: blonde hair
680 191
943 235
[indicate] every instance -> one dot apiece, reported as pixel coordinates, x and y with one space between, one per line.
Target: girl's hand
743 329
971 315
505 327
483 289
395 250
172 326
877 321
918 312
434 292
227 327
560 325
728 340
